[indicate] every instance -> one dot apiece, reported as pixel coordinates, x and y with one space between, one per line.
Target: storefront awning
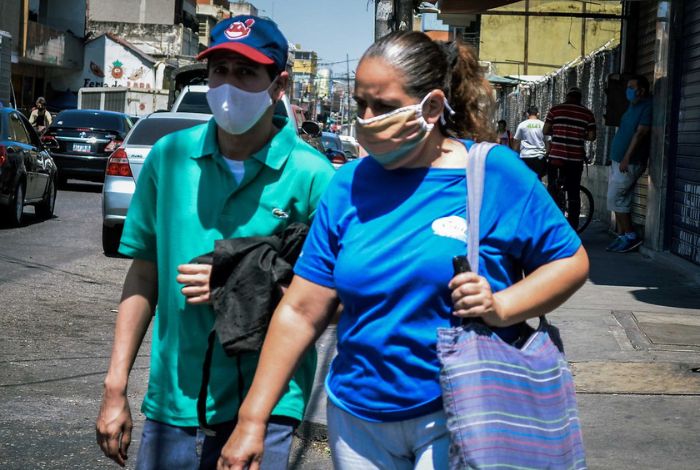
498 80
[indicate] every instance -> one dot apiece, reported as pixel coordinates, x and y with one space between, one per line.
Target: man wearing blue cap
244 173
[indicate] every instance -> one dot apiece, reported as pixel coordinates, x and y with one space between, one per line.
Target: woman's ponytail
469 94
450 66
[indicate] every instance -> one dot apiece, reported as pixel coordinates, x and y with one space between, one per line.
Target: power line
338 62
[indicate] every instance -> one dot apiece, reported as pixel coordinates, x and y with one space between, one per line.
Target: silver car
125 163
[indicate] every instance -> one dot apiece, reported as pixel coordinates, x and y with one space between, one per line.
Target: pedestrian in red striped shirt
570 124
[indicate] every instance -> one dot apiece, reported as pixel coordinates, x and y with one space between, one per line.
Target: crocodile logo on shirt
454 227
279 213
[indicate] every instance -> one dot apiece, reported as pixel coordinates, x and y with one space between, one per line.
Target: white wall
133 11
109 64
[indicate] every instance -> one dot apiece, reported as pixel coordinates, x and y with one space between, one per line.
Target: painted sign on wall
108 63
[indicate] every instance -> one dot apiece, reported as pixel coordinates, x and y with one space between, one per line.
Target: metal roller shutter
685 212
644 65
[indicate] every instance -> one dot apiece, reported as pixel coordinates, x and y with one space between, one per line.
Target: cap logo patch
239 29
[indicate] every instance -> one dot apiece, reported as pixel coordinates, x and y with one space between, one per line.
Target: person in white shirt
530 142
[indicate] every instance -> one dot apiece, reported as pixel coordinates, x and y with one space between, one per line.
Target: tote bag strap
476 171
476 168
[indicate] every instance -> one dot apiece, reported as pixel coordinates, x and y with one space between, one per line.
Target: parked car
192 99
27 171
81 141
350 147
124 166
333 148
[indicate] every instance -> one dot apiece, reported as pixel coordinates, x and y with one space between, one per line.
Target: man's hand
472 298
113 427
624 165
244 449
195 278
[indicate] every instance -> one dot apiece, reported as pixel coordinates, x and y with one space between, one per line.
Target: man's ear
434 107
280 86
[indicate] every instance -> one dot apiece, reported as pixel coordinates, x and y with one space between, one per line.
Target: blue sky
332 28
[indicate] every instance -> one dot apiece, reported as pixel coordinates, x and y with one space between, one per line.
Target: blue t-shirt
385 241
638 114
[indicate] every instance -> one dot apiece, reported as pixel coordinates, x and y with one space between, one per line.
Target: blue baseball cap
257 39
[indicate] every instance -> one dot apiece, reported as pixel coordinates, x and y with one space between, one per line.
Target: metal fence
590 74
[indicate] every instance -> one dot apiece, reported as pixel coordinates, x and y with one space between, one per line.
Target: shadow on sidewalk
656 283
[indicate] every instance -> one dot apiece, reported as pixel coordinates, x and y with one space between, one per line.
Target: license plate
85 148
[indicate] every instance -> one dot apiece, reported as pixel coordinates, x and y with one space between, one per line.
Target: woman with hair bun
382 243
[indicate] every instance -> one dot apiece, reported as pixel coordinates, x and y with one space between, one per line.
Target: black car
27 171
81 141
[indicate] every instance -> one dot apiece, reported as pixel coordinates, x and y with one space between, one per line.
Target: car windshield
90 119
194 102
148 131
331 142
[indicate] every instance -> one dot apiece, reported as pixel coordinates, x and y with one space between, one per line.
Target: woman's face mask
236 111
390 137
631 94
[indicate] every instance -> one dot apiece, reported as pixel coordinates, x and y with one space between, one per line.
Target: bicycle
586 205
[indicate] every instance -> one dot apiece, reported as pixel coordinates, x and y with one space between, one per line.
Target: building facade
163 29
47 40
243 8
532 37
210 12
659 39
304 71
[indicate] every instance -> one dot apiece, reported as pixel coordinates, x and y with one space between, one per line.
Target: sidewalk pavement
632 335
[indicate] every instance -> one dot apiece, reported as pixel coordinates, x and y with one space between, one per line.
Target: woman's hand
195 278
244 449
472 298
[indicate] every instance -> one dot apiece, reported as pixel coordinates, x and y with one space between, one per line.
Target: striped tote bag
507 407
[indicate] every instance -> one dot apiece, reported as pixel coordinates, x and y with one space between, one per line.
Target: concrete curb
672 261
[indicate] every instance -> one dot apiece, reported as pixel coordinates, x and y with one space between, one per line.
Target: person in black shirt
40 118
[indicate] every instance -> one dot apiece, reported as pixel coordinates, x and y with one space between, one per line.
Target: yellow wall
552 40
304 66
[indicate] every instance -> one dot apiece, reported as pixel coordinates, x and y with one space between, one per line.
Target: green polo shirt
186 199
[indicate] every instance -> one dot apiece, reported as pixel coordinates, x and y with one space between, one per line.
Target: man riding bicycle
570 124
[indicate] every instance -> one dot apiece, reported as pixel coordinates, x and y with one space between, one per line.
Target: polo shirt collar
273 155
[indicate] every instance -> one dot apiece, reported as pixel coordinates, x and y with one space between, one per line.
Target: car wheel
111 236
46 207
16 208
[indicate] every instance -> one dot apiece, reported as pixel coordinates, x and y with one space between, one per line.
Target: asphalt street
58 299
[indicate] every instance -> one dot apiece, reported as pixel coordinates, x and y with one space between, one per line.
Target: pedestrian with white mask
245 173
382 243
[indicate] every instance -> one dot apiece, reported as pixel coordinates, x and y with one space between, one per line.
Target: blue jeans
420 443
172 447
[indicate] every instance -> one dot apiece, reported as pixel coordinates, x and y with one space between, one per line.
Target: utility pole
526 51
383 18
404 15
347 107
392 15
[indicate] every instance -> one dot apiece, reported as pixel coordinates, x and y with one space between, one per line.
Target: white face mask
236 110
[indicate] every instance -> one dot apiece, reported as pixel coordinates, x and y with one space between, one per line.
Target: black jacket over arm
246 280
